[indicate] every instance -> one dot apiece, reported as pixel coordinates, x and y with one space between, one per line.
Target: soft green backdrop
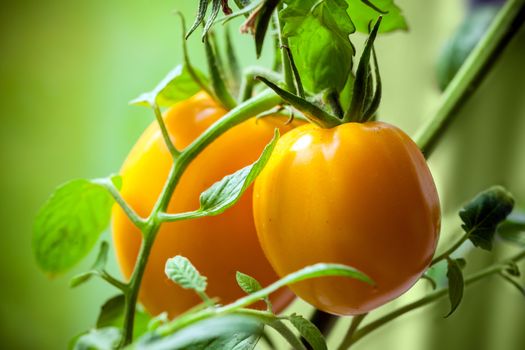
67 70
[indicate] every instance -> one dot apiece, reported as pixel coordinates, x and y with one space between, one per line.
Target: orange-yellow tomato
357 194
218 246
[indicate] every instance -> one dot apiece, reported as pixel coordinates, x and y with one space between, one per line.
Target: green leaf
309 331
247 283
99 339
313 271
236 332
216 7
317 33
112 315
181 271
263 21
513 269
365 100
201 13
310 110
484 213
362 14
455 284
250 285
226 192
513 229
111 311
158 321
178 85
69 224
99 265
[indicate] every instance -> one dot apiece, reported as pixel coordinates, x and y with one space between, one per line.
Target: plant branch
493 269
186 58
248 82
285 60
451 250
472 73
356 321
138 221
165 134
113 281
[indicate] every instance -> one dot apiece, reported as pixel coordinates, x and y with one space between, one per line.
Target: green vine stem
491 270
472 73
450 250
186 57
286 65
242 112
114 192
356 321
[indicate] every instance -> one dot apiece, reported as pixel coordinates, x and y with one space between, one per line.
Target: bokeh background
67 71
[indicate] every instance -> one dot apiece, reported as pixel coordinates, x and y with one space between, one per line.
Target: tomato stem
471 74
165 134
186 57
114 192
220 90
356 321
285 60
451 250
491 270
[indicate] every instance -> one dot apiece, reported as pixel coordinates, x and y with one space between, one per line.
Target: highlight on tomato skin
357 194
218 246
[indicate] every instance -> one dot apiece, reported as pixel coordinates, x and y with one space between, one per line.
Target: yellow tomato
357 194
218 246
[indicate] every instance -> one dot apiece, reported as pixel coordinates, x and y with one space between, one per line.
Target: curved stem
356 321
186 57
493 269
472 73
165 134
220 90
285 60
451 250
113 281
114 192
248 80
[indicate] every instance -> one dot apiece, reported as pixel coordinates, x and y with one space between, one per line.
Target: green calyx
365 99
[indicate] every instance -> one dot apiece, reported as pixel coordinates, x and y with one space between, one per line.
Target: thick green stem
493 269
134 285
472 73
287 67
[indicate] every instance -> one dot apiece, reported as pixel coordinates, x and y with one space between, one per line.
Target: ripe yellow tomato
218 246
357 194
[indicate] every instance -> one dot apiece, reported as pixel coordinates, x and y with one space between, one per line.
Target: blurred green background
67 71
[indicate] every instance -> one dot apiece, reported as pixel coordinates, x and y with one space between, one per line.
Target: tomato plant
219 245
344 206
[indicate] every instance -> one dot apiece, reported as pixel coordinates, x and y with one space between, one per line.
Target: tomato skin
218 246
357 194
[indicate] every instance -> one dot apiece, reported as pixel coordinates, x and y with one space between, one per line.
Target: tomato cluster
218 246
359 194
